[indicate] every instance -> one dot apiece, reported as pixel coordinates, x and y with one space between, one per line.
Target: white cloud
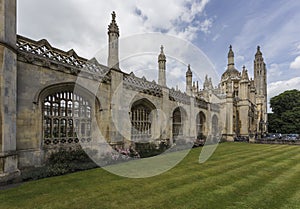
275 29
196 8
274 71
82 24
206 25
216 37
295 64
240 58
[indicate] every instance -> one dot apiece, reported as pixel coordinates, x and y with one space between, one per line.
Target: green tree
286 112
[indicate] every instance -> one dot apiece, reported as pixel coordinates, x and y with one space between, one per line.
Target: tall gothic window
66 118
141 120
200 124
215 126
177 127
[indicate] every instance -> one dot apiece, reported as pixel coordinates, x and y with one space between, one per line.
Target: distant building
44 107
243 101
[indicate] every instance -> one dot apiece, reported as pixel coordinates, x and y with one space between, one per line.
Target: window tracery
200 124
177 123
66 116
141 122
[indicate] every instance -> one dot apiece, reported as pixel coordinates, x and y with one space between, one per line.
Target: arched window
200 125
177 128
66 116
141 120
215 126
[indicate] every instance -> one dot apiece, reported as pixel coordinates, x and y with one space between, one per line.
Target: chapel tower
260 82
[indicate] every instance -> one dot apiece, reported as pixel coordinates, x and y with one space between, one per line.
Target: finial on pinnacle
230 54
161 49
113 27
189 72
113 15
258 52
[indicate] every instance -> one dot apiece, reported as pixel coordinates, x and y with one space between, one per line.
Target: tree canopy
286 112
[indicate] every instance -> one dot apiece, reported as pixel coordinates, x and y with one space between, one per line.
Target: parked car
274 136
241 139
293 136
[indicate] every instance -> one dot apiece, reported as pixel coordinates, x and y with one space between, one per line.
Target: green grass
238 175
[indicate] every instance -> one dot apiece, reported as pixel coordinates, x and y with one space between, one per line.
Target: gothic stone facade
51 98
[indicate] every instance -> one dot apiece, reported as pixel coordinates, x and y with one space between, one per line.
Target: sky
204 29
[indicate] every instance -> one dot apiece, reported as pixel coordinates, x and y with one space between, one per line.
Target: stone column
116 98
229 118
192 119
244 117
166 132
8 90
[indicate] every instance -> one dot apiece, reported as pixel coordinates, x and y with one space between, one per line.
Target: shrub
59 163
150 149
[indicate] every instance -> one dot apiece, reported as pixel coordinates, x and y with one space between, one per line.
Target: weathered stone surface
8 90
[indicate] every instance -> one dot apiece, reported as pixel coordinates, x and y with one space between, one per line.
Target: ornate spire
189 72
210 84
230 53
230 58
113 27
206 83
113 43
161 56
258 52
162 67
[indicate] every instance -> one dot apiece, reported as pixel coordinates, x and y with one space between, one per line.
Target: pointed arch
179 116
66 114
215 125
200 125
141 119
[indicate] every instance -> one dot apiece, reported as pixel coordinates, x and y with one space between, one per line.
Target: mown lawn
237 176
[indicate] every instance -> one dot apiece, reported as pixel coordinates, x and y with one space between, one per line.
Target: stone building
52 98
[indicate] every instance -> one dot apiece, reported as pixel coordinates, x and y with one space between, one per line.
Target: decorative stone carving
142 85
178 96
42 53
